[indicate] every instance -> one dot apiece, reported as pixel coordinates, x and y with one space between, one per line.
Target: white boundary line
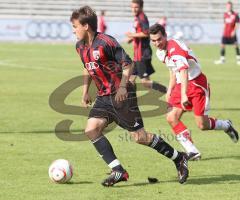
7 64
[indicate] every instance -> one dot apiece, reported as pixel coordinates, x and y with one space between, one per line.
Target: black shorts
143 68
229 40
125 114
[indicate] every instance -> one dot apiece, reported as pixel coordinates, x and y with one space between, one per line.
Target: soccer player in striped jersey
109 67
142 50
188 89
231 20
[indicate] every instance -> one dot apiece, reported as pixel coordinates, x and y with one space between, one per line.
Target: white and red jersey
178 56
230 21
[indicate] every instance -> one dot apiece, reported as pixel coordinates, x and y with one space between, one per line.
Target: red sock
212 123
180 128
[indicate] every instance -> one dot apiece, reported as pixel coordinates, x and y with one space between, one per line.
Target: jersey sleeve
77 47
78 50
178 54
118 54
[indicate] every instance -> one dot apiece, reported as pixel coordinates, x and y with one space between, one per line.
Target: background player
142 50
188 89
107 64
231 20
102 27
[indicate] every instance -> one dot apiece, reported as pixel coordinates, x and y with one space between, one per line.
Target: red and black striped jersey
104 60
142 48
230 21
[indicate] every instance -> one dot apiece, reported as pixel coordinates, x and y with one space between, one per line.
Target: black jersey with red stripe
104 60
142 48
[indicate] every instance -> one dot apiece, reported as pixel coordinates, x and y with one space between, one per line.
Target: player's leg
237 50
222 52
147 83
94 130
201 107
129 117
144 70
99 118
157 143
209 123
183 135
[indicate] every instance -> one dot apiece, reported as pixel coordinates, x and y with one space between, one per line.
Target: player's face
136 9
229 7
159 40
79 30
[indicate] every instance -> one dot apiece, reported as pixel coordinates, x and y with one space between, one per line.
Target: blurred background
198 21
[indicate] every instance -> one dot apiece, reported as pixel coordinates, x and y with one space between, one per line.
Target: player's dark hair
85 15
102 12
139 2
154 29
229 2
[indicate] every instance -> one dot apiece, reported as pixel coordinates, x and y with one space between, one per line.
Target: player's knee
92 132
171 119
140 137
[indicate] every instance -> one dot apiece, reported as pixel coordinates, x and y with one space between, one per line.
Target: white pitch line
13 65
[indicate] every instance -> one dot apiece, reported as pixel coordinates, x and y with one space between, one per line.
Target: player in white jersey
188 90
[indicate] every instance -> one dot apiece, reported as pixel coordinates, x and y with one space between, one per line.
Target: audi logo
193 32
91 65
48 30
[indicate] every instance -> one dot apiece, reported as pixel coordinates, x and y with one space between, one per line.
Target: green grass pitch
29 73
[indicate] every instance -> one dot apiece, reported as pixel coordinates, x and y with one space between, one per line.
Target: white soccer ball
60 171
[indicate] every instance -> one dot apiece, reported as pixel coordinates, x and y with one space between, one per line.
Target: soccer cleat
238 59
194 156
115 177
182 168
219 62
232 133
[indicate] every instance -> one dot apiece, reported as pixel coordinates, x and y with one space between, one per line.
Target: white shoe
219 62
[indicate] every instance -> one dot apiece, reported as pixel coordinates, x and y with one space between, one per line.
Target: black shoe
194 156
182 168
115 177
232 133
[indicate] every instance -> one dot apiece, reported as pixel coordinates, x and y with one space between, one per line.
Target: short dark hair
229 2
85 15
139 2
154 29
102 12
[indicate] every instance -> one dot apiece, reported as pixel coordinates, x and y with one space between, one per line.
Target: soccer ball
60 171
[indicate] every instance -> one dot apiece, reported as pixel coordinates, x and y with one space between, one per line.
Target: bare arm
234 30
172 80
172 83
127 71
86 81
122 90
184 84
137 35
86 99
